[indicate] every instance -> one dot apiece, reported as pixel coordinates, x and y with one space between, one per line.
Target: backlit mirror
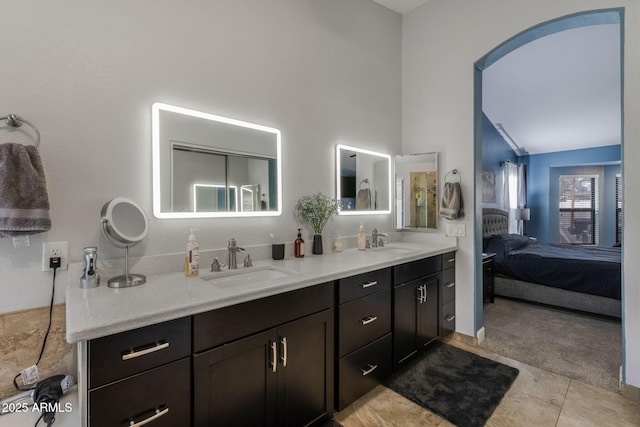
207 166
416 191
363 181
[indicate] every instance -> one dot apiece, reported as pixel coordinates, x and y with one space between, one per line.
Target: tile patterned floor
536 398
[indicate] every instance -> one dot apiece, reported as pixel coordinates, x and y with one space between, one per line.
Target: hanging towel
451 206
24 202
363 200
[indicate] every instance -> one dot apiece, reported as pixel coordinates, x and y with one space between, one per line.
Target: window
618 208
579 209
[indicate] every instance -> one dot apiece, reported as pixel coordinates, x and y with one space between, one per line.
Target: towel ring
453 172
16 121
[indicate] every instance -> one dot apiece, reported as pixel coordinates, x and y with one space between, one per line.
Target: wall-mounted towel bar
16 121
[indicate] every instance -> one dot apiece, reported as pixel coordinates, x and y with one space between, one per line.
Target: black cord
46 335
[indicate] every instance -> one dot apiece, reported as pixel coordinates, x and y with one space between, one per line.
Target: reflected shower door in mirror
416 191
363 181
210 166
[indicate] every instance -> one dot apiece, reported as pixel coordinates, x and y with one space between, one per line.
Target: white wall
87 72
441 41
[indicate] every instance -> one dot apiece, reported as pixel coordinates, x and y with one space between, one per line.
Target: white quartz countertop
101 311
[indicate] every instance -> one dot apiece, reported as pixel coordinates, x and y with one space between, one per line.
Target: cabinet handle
157 346
368 320
274 357
284 352
451 260
370 369
369 284
450 318
450 285
158 414
420 295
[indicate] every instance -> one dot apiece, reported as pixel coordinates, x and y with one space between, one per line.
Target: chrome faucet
376 240
233 250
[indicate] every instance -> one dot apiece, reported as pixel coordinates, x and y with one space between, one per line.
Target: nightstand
488 272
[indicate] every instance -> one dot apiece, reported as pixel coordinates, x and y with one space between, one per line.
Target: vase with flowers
316 210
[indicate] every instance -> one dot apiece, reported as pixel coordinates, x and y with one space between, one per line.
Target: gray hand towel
24 202
452 206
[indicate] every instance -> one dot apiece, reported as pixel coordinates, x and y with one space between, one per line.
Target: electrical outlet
53 249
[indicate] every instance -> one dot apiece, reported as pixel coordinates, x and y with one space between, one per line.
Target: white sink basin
243 276
395 250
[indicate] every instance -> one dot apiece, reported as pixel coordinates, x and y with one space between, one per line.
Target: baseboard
463 339
630 392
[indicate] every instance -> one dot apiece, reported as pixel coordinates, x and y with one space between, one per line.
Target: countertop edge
80 328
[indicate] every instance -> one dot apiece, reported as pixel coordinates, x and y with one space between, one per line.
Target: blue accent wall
494 151
543 171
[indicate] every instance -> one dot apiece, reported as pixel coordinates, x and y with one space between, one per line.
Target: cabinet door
406 298
415 317
305 370
234 385
427 321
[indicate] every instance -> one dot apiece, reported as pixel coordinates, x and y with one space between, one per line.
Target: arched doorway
585 19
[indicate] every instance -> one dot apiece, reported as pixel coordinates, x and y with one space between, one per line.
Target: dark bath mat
459 386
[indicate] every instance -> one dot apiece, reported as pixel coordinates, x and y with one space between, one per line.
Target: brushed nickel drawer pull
284 352
451 260
274 357
450 318
370 369
369 284
158 346
368 320
154 417
450 285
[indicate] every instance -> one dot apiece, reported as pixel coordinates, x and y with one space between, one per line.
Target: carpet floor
461 387
579 346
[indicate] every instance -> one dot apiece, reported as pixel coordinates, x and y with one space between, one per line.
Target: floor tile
586 405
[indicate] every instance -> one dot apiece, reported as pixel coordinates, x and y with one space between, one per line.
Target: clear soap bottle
192 257
362 238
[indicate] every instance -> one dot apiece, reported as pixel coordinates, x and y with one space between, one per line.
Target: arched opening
562 24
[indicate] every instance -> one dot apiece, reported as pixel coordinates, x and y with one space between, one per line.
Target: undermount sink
392 250
248 275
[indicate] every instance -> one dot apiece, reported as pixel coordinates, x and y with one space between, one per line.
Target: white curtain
515 194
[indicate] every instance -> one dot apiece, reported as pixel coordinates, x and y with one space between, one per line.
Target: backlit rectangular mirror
416 191
207 166
363 181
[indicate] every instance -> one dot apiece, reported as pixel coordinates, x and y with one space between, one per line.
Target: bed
584 278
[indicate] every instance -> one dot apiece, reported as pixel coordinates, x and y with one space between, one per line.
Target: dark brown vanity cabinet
281 376
415 307
364 334
141 376
448 295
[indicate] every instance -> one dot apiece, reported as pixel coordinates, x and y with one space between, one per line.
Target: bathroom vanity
290 350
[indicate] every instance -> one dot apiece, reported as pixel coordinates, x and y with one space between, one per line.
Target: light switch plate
456 230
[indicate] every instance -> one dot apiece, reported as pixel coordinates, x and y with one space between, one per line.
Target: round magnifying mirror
124 224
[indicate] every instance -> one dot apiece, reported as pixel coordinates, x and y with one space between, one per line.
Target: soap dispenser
298 249
362 238
192 256
337 244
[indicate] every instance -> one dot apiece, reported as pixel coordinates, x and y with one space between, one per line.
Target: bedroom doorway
511 131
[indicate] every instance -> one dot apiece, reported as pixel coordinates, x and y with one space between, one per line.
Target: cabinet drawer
363 370
117 356
363 320
448 285
448 260
227 324
448 318
414 270
163 393
364 284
